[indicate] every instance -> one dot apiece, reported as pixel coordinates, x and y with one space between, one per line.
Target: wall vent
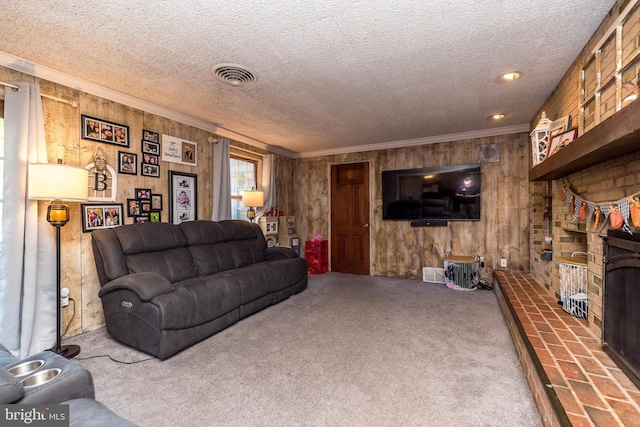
433 275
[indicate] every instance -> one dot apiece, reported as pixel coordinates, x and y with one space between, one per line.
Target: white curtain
221 181
27 254
268 185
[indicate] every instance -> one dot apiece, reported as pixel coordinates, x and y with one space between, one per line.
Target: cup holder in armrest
25 368
40 377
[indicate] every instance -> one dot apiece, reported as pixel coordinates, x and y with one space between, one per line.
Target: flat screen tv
433 193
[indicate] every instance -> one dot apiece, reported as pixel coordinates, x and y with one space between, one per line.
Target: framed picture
143 193
147 135
142 218
101 215
154 216
558 126
133 207
150 170
183 197
156 202
150 159
145 207
561 140
104 131
176 150
127 163
150 147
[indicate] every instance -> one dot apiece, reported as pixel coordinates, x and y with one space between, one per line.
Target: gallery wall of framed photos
153 185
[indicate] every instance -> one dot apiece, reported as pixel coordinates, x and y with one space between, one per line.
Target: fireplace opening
621 303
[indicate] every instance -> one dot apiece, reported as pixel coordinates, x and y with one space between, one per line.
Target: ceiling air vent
233 74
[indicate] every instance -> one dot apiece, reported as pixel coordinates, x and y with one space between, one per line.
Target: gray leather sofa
48 378
165 287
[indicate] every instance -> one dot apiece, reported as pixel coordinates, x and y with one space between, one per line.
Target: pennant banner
621 208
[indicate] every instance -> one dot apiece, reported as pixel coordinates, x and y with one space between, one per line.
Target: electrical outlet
503 262
64 297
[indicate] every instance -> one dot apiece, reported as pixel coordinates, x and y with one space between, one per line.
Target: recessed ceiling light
497 116
509 77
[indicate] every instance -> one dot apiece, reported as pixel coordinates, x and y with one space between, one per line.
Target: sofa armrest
10 388
73 380
279 252
145 285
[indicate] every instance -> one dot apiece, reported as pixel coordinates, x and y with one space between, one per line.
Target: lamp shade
253 198
49 181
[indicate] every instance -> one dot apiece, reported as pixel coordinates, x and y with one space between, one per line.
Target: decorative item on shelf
252 199
540 139
57 183
559 125
561 140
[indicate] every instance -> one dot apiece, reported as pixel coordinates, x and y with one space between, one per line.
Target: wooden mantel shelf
617 135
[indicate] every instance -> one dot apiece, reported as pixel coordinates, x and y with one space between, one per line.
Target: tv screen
432 193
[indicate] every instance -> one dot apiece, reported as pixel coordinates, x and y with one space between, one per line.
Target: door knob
365 225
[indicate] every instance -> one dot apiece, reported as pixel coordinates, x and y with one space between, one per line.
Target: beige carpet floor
348 351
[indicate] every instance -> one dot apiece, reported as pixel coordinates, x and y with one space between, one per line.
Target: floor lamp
58 183
252 199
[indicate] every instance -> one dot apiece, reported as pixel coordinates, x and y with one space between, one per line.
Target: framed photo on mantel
561 140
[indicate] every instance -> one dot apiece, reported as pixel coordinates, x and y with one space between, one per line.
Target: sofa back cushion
156 248
223 245
142 248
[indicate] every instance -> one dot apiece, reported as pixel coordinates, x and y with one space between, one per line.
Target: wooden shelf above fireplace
617 135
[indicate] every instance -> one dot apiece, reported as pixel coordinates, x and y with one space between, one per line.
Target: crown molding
43 72
524 127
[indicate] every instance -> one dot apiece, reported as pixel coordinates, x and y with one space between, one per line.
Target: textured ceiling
331 73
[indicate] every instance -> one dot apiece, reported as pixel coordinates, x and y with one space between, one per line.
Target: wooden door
350 218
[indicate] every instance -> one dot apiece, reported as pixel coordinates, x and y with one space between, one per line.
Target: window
243 177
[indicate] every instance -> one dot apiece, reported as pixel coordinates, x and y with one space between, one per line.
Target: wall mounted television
443 193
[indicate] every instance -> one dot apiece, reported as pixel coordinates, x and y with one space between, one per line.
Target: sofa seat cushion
197 300
257 280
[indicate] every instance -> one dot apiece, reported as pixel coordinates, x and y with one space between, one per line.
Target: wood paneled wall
399 250
62 126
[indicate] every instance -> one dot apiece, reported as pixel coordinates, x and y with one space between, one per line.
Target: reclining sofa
47 378
165 287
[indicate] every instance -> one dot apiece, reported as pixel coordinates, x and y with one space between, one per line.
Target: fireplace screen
621 308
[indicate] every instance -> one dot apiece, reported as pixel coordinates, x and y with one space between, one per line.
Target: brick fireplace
609 180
